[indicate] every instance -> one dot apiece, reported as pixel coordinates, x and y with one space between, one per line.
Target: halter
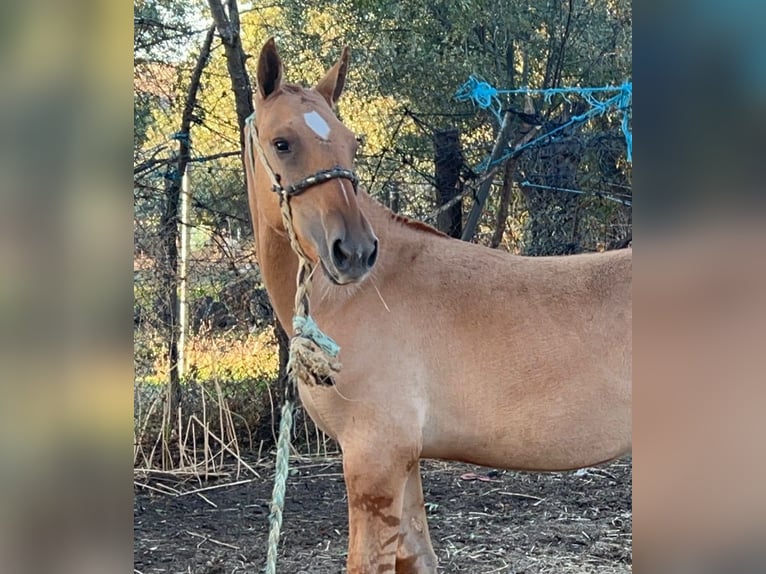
299 187
319 177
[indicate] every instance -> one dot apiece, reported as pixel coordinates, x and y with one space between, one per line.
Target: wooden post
481 195
448 159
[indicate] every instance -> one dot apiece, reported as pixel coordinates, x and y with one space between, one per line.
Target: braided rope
280 482
312 353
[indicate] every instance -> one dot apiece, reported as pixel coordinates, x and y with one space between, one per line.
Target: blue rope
307 327
486 97
481 94
479 90
627 201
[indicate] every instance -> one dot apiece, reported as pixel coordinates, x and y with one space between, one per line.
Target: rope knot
481 93
312 354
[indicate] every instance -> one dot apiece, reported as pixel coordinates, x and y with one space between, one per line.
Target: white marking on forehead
317 123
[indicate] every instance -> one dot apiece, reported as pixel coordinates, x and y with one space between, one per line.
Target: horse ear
332 84
269 74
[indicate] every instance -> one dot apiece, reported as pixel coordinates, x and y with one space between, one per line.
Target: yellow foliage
253 357
368 116
322 22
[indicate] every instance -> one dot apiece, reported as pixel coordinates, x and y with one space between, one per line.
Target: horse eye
282 146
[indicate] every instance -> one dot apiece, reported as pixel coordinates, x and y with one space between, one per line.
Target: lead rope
312 353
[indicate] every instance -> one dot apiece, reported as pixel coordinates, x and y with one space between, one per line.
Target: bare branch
228 29
481 195
204 158
233 15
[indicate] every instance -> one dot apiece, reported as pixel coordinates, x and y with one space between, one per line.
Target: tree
169 233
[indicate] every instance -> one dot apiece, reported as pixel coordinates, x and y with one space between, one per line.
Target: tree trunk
169 294
554 225
229 30
169 233
448 160
395 196
505 201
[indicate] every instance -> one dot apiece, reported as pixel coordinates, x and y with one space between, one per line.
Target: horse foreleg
375 482
414 555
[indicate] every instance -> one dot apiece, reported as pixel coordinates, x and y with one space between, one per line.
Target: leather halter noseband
305 183
320 177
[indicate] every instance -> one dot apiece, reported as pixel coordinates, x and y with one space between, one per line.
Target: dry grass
195 446
225 397
213 426
224 357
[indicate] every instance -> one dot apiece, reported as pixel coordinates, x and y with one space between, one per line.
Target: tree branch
169 227
204 158
228 29
233 15
564 39
481 195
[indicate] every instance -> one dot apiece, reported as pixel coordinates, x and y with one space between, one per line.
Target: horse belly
533 430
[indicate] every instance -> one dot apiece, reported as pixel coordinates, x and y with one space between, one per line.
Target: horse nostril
373 256
340 257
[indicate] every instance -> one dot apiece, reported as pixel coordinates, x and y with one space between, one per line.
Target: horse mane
414 224
292 88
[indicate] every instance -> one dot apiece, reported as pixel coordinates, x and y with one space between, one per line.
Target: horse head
305 148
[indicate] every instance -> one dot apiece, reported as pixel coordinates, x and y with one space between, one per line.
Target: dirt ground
482 521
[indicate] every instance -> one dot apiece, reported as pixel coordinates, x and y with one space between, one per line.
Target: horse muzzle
350 259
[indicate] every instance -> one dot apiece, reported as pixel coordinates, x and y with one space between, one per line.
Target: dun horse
450 350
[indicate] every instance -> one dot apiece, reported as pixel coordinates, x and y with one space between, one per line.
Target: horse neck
401 240
279 266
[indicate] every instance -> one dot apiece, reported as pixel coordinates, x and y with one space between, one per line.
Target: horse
450 350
